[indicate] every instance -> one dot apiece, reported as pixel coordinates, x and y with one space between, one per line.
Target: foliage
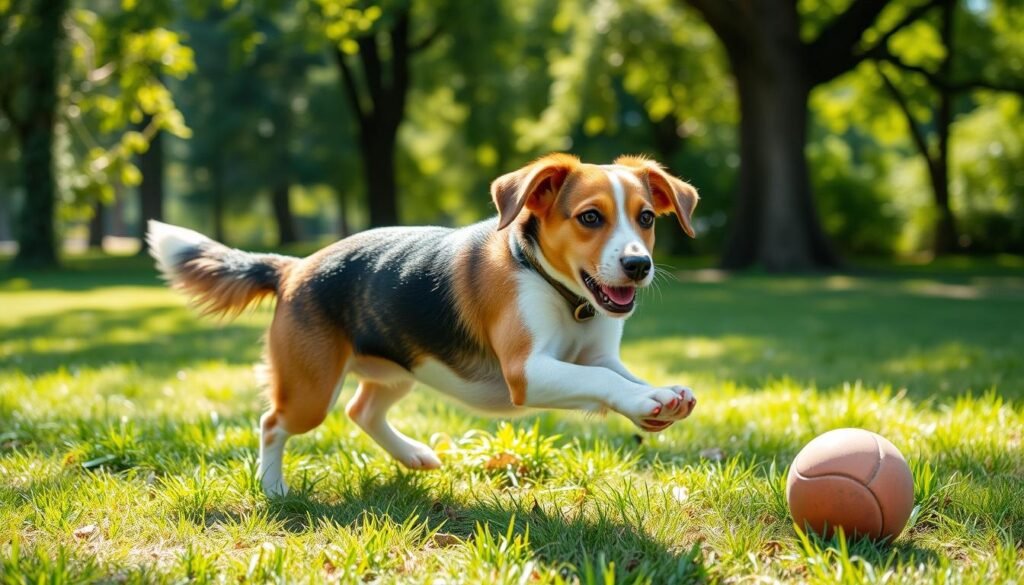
262 103
117 57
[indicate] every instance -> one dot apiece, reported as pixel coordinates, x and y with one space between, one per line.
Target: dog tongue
620 295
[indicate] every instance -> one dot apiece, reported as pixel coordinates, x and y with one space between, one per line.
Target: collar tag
583 312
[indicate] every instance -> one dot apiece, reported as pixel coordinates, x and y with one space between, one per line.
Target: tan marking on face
669 194
570 246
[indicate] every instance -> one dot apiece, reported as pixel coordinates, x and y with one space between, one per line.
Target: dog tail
219 280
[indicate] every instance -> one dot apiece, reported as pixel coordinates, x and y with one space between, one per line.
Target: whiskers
663 273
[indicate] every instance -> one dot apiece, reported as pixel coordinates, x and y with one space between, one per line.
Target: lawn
128 440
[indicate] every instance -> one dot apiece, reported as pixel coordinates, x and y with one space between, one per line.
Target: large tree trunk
774 223
151 191
41 41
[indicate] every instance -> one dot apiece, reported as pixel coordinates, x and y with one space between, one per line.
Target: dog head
594 224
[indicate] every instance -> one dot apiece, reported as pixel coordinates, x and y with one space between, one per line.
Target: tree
377 94
29 101
946 84
151 189
774 222
109 82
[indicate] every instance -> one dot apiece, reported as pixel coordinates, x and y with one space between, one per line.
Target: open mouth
614 299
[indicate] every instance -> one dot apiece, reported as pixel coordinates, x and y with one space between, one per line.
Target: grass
128 438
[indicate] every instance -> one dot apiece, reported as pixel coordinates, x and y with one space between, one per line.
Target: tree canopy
816 130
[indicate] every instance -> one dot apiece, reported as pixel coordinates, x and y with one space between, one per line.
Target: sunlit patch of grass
128 440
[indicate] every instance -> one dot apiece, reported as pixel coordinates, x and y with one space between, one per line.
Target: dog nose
636 267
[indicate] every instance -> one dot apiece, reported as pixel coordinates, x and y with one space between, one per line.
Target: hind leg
368 409
305 375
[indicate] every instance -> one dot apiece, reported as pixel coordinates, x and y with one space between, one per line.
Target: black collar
580 307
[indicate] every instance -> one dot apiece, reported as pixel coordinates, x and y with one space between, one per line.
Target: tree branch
909 18
835 52
915 132
941 84
726 18
841 36
427 40
351 87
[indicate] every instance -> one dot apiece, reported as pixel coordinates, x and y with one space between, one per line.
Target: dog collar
580 307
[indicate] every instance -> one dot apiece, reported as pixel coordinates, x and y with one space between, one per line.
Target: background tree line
816 129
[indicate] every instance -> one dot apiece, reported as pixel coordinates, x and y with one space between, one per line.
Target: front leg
613 363
551 383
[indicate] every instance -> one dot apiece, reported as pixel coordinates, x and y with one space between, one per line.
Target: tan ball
851 478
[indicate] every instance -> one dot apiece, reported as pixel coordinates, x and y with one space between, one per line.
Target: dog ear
533 186
669 194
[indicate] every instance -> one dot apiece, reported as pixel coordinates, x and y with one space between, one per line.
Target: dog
519 312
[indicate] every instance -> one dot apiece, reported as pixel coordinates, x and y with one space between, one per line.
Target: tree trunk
386 90
343 228
217 196
151 191
97 225
280 201
379 170
774 222
41 42
945 224
945 238
287 232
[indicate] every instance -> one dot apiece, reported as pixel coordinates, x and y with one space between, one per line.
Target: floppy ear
670 195
533 186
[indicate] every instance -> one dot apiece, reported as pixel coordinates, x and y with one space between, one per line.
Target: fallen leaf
502 460
445 540
85 531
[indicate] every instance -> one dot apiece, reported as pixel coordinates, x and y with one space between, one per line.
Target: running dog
523 311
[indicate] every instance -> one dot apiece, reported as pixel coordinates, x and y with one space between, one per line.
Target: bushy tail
219 280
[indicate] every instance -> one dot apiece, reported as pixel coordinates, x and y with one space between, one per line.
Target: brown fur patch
306 364
670 194
492 317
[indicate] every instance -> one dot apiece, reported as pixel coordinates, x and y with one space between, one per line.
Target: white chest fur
489 395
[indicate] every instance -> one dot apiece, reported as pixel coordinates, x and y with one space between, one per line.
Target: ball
851 478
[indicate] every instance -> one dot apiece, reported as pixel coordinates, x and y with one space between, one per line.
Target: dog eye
590 218
646 218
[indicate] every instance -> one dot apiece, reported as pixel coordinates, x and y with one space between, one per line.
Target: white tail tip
167 243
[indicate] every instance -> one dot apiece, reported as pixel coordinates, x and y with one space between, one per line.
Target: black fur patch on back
392 291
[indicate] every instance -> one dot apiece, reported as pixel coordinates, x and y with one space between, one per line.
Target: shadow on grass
556 537
159 339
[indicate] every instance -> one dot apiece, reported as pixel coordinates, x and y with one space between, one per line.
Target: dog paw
416 455
655 409
681 408
274 489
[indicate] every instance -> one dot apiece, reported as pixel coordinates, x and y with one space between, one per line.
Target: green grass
128 439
